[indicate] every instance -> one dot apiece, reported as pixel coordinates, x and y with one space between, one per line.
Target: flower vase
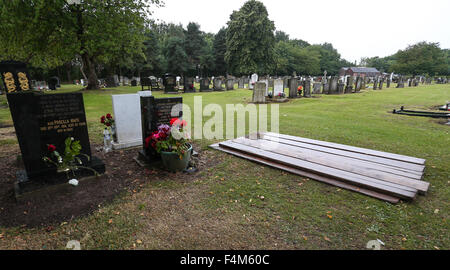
113 133
173 162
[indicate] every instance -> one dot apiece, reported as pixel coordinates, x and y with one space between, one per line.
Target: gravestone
333 85
204 85
267 86
133 82
271 83
349 87
259 93
230 84
127 117
53 83
253 80
326 88
15 76
43 119
156 112
278 87
241 84
188 85
146 82
375 84
380 83
217 84
388 83
293 85
358 84
307 88
341 88
112 81
169 82
154 83
316 88
400 83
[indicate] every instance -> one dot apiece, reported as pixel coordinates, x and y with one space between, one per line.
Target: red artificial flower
51 148
108 124
300 88
108 116
173 120
102 120
183 123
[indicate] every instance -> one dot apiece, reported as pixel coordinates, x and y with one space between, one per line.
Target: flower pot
172 160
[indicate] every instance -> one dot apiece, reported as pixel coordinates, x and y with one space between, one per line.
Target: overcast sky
356 28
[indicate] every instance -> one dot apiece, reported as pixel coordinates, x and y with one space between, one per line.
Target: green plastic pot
172 161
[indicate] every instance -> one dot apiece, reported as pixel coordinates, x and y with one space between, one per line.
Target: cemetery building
359 71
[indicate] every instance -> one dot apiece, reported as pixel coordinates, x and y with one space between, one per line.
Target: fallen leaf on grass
404 239
330 216
435 247
139 241
1 236
327 239
305 238
110 221
436 211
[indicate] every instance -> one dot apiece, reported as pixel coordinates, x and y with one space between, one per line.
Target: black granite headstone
53 83
43 119
204 85
188 85
146 82
156 112
169 82
15 76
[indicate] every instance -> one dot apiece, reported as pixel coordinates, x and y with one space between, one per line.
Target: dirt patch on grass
7 133
123 174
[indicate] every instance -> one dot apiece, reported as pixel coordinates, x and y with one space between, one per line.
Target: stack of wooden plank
386 176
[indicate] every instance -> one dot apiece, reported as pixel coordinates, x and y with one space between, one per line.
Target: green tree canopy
250 40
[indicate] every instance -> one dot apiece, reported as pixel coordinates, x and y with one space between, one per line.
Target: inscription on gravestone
15 76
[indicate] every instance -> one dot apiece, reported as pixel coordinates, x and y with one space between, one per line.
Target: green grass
294 212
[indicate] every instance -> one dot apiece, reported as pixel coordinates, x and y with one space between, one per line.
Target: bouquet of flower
300 89
70 160
107 120
171 138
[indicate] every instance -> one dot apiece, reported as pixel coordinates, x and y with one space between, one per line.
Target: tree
195 46
281 36
219 50
421 58
291 57
48 33
176 55
250 40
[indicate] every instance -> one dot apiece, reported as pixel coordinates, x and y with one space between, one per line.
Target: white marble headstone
253 80
278 87
127 116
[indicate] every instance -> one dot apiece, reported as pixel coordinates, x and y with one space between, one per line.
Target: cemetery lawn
232 203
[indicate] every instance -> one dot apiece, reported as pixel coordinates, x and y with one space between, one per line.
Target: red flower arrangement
169 138
51 148
107 120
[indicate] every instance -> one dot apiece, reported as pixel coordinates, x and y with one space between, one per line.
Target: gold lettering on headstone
9 81
23 80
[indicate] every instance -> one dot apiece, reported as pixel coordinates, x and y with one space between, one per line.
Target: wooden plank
354 179
354 149
353 167
378 166
310 175
405 166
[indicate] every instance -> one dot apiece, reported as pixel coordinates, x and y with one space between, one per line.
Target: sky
356 28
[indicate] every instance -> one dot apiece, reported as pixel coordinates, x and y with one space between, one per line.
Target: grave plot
385 176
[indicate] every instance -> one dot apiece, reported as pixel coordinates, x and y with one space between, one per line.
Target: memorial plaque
43 119
156 112
15 76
